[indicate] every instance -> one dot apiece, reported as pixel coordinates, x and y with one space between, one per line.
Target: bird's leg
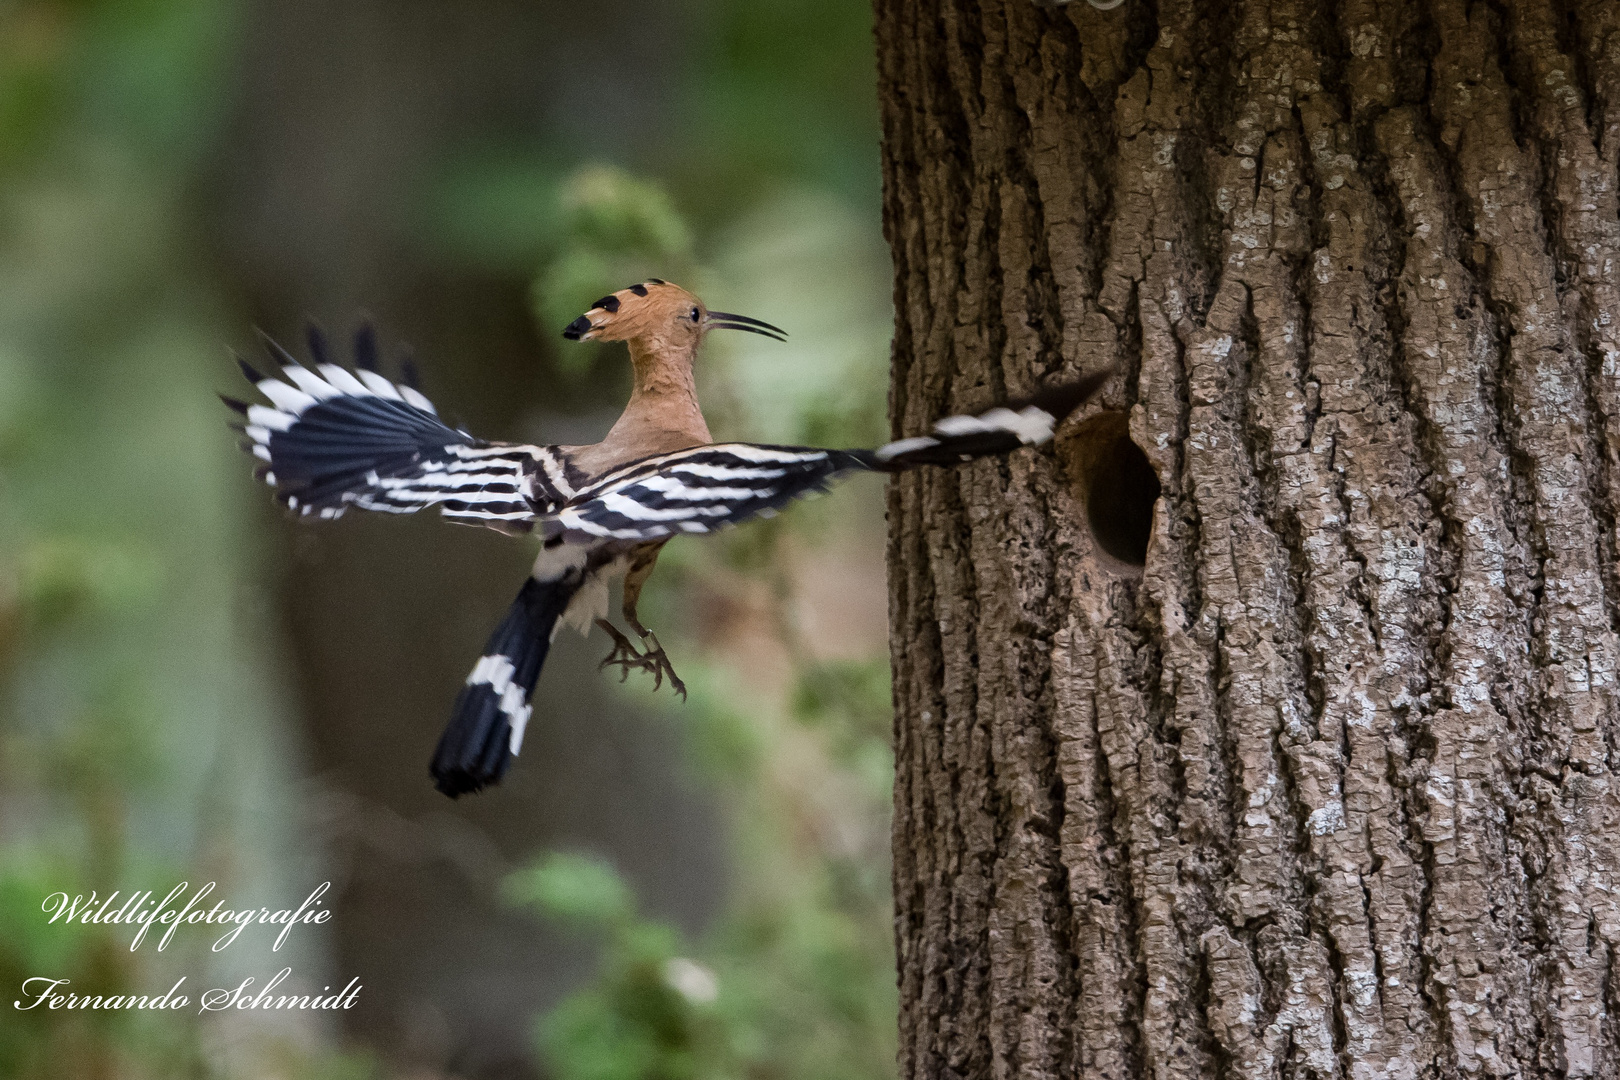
654 659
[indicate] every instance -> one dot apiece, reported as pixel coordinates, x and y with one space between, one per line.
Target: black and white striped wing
1031 421
698 490
332 439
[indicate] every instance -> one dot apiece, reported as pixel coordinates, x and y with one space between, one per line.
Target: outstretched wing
698 490
333 438
1030 421
704 488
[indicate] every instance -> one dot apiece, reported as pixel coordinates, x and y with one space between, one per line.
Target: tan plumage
663 330
663 325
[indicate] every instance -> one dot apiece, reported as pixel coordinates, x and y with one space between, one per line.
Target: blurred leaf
609 209
64 577
111 747
649 1013
28 941
723 741
857 688
574 888
150 71
781 94
32 39
333 1065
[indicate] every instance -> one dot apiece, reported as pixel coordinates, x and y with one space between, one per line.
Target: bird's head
661 317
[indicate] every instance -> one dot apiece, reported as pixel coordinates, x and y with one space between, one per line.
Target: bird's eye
697 315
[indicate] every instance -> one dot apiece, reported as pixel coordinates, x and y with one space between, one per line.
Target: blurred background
194 688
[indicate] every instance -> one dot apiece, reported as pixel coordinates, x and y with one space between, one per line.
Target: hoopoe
333 438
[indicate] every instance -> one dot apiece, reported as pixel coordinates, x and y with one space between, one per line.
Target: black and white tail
332 438
491 712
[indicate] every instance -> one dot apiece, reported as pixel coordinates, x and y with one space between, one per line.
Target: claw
623 653
653 661
661 667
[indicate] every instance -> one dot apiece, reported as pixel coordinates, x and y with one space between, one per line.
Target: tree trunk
1316 778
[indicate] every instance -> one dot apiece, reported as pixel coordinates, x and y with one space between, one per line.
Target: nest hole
1116 485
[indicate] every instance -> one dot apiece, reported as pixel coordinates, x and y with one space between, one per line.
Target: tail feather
491 712
1005 428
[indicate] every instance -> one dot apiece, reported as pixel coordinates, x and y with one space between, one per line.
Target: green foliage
126 685
852 703
497 211
780 93
652 1013
801 961
786 989
724 743
130 696
31 41
62 578
573 888
607 210
38 1042
27 944
796 981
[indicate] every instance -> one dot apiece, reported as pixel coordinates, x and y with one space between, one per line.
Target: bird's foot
653 661
661 667
623 653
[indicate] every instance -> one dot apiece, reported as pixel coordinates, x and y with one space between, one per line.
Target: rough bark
1326 787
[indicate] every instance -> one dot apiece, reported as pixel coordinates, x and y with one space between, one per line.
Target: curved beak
724 321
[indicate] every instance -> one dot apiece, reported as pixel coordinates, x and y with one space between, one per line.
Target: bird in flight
331 438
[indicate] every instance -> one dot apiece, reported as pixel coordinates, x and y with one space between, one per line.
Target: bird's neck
663 412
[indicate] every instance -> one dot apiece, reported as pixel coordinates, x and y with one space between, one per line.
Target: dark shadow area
1117 486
